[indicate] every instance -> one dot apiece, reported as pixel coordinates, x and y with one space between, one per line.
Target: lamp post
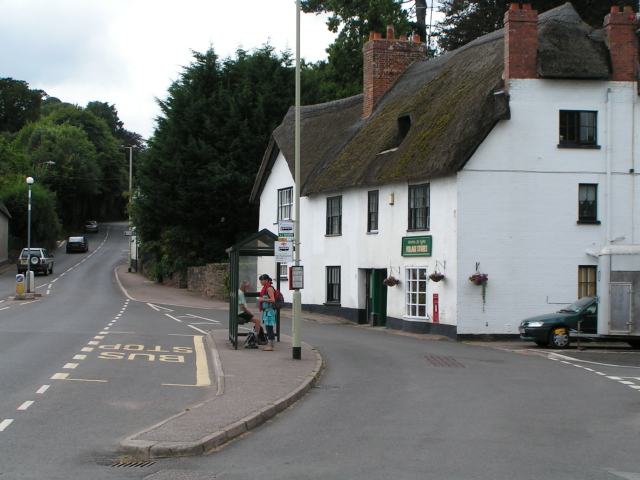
296 320
29 182
130 195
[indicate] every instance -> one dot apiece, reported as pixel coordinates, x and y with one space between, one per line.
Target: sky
128 52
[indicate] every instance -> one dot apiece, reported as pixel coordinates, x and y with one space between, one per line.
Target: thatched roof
451 103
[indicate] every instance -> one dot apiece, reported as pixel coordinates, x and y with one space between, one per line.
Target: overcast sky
127 52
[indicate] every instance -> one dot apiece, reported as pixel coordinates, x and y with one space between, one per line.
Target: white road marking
86 349
79 357
201 331
25 405
70 365
173 318
5 423
43 388
60 376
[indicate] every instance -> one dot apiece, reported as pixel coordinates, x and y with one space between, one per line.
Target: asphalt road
387 405
83 367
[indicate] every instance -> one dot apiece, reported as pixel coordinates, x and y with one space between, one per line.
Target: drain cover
438 361
132 464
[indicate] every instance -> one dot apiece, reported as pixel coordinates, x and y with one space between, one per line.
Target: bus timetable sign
416 246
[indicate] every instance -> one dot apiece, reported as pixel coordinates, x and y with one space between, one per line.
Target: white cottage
513 157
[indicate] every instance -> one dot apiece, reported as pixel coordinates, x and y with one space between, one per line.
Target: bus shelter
248 259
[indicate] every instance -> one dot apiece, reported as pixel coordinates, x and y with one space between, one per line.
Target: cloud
127 52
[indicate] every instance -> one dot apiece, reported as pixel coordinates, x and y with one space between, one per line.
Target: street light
130 195
29 182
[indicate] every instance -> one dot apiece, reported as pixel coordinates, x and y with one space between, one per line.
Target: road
387 405
83 367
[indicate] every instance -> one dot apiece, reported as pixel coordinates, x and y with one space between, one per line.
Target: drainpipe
608 185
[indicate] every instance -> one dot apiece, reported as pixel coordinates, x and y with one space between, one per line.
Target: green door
379 296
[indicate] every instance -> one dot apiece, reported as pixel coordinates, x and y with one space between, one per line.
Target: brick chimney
520 43
619 31
384 62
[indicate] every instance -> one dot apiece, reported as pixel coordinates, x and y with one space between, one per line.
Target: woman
268 296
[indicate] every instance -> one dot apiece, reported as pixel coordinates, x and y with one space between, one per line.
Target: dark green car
553 328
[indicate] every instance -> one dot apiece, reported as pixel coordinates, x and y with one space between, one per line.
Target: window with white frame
416 292
285 203
333 284
587 275
284 271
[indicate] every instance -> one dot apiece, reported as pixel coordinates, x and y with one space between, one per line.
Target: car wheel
45 272
542 343
51 269
559 337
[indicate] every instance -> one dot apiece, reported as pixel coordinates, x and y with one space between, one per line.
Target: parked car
77 244
36 259
554 328
91 226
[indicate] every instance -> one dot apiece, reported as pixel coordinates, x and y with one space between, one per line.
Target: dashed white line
5 423
60 376
79 357
70 365
25 405
43 388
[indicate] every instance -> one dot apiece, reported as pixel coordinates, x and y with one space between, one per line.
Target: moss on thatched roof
432 120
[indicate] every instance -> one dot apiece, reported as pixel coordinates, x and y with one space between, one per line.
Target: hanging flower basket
481 279
436 276
391 281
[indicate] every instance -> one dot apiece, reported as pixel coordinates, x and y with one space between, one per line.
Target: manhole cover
439 361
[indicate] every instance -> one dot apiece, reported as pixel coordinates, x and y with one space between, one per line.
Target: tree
18 104
195 180
467 20
353 20
45 226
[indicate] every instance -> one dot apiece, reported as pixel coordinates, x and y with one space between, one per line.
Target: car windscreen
75 239
578 305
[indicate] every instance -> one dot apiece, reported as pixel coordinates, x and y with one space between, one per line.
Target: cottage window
372 211
587 280
416 292
333 284
419 207
578 128
588 203
285 203
334 215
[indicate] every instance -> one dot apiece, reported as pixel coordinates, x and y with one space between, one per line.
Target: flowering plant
436 276
391 281
479 278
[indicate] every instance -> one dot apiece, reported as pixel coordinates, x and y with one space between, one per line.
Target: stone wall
207 280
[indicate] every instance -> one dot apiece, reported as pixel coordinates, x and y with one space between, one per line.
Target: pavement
252 386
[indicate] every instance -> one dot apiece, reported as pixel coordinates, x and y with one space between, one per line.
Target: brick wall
384 61
520 43
620 28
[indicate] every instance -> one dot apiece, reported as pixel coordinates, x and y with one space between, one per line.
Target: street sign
296 278
286 231
283 251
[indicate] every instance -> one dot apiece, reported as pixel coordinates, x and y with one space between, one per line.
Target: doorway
376 297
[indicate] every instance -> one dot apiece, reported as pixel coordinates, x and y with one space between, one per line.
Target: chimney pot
526 6
391 34
514 6
627 10
615 9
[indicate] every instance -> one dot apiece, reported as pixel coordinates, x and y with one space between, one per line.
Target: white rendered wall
513 209
518 203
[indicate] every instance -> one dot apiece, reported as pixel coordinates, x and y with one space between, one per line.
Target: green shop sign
416 246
